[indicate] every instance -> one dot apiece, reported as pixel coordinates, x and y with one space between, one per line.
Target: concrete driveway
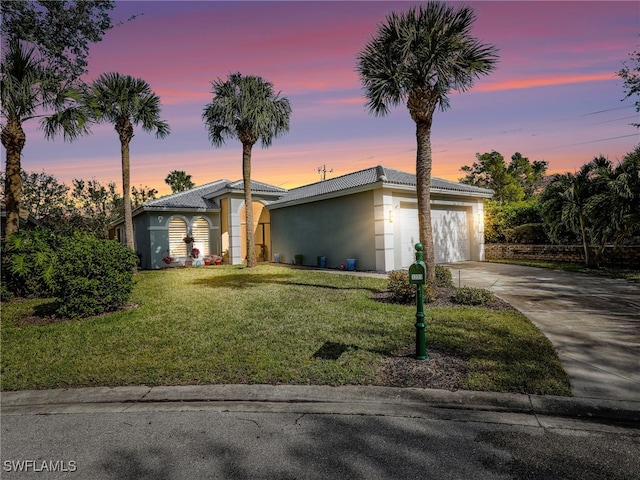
593 322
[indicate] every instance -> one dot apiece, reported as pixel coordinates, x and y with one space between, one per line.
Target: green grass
622 273
265 325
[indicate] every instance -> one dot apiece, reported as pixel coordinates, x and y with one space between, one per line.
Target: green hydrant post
418 276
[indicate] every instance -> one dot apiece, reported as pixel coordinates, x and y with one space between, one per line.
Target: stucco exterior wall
336 228
152 235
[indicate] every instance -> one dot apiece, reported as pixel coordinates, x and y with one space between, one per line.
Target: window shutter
177 232
200 233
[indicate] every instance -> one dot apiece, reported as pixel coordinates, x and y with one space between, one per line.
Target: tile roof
201 197
371 176
197 197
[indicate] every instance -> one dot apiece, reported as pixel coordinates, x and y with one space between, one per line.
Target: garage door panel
450 235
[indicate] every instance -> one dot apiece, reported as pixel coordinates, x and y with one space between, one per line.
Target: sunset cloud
557 65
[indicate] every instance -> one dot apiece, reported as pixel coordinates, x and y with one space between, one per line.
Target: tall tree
246 108
125 102
95 206
42 196
565 205
530 175
45 50
519 180
61 30
420 56
179 181
141 195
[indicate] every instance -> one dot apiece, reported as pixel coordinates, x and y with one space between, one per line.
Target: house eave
324 196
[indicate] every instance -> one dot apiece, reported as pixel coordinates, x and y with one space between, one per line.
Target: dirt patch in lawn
440 370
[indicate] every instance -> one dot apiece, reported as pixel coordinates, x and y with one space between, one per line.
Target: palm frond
247 108
428 49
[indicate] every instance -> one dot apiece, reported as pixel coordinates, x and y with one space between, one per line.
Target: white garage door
450 235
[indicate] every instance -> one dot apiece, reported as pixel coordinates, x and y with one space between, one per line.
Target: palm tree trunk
423 189
585 242
125 132
248 203
13 140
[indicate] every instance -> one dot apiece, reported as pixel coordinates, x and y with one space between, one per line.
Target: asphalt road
209 444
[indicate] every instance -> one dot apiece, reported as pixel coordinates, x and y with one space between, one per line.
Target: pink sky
553 97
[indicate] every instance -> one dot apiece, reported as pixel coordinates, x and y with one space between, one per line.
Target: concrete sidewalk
509 408
593 322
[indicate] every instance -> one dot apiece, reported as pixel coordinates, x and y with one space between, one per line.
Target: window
177 232
200 234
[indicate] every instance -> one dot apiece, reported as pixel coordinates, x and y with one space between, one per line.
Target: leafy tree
42 196
631 77
419 57
530 176
125 102
95 206
141 195
520 180
60 30
45 50
246 108
179 181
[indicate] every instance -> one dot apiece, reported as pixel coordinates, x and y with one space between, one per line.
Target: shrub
529 233
404 292
472 296
500 217
400 288
443 276
93 276
5 294
28 263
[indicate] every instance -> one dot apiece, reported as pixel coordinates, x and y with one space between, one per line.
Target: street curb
614 411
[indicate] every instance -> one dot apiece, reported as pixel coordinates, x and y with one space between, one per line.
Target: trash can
351 264
322 262
276 257
298 259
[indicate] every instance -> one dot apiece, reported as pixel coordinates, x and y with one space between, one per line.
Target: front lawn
270 324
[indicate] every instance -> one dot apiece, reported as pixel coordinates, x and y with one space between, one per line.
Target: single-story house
212 214
369 216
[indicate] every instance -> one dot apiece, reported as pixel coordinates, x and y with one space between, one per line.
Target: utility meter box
418 273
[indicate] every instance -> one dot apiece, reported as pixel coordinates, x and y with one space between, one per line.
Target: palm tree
565 206
246 108
29 90
179 181
125 102
419 57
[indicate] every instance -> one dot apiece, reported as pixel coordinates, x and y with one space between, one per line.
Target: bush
93 276
28 263
472 296
529 233
5 294
500 217
404 292
443 276
400 288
